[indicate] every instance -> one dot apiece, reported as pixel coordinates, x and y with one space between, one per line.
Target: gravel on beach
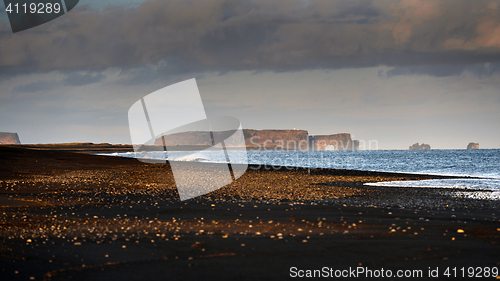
87 217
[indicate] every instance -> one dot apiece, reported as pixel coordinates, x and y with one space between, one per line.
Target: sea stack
422 146
9 138
333 142
473 145
267 140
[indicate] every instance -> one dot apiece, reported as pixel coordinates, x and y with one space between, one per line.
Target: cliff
422 146
284 139
264 139
333 142
186 138
9 138
473 145
287 139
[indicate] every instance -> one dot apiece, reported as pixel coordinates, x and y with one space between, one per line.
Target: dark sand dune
75 216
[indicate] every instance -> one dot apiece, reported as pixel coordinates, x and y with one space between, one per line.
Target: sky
390 73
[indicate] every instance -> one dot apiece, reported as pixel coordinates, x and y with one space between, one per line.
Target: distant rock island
267 139
333 142
473 145
9 138
422 146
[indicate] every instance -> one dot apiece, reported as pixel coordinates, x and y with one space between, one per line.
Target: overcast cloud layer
393 71
280 35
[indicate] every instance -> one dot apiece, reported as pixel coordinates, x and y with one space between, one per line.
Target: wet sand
86 217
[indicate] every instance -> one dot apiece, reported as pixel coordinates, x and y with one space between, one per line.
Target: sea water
481 164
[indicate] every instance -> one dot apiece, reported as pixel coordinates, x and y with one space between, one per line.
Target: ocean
483 165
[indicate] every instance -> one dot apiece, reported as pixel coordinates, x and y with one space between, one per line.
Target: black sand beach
75 216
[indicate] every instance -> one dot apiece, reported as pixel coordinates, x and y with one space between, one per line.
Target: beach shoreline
90 217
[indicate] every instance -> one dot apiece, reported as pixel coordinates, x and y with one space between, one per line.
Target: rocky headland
9 138
266 139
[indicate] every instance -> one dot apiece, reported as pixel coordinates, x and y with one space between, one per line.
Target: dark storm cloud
479 70
33 87
76 79
415 36
166 70
438 71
